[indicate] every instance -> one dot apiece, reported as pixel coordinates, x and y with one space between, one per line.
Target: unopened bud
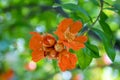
52 54
48 40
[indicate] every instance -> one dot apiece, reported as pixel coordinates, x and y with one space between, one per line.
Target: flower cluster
46 45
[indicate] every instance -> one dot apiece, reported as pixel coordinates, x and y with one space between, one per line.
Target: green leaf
106 29
54 62
76 8
105 26
83 59
92 50
107 43
103 16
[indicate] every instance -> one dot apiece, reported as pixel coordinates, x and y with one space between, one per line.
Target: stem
101 8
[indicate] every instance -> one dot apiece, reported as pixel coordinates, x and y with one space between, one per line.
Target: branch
101 8
59 9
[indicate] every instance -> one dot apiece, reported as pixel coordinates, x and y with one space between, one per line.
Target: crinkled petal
81 39
62 27
67 60
63 63
73 60
75 27
74 45
36 41
37 55
60 35
64 24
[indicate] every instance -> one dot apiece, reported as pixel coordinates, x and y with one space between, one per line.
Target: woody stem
101 9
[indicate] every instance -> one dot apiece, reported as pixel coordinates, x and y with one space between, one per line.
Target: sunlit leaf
83 58
107 43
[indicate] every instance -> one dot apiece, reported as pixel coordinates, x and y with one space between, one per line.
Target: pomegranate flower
47 46
67 34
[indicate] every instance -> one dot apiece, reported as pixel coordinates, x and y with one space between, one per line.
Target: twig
101 8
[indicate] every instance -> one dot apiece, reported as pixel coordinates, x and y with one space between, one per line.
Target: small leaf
107 43
83 59
92 50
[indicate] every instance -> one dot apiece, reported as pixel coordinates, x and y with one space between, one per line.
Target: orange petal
73 60
62 66
77 45
36 41
48 40
63 63
74 45
81 39
63 60
75 27
62 27
60 35
64 24
67 60
37 55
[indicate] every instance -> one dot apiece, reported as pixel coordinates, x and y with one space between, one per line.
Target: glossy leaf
83 59
103 16
92 50
105 26
107 43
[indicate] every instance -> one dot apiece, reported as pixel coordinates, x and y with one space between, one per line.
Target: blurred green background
19 17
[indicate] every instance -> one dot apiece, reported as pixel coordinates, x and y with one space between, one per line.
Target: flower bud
48 40
52 54
59 47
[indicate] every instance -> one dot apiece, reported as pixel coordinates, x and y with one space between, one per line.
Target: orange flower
41 45
67 60
67 34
